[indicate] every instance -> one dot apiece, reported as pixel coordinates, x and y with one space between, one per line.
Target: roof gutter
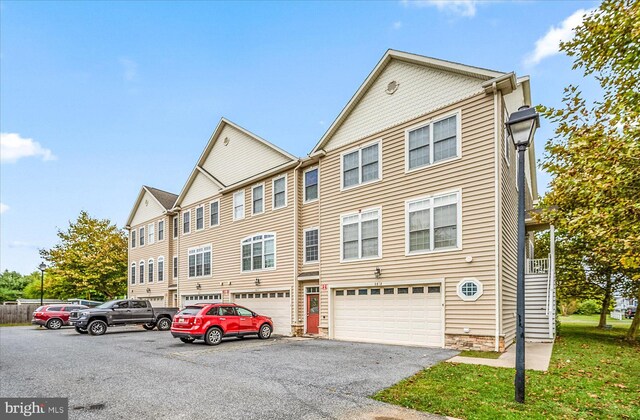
265 174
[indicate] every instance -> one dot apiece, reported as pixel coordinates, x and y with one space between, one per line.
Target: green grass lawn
593 374
480 354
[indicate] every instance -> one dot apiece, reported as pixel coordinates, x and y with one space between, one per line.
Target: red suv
212 321
54 316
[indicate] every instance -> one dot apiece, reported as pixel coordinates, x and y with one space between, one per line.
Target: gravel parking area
130 373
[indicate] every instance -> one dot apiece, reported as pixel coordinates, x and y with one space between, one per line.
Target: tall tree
89 261
594 158
12 284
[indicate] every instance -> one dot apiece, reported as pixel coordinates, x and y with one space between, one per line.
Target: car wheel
213 337
81 330
164 324
187 340
265 331
97 327
54 324
149 326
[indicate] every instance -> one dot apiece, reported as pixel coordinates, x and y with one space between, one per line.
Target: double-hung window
151 231
311 185
160 269
175 267
141 272
433 223
257 199
186 222
361 235
133 273
175 227
433 143
259 252
311 242
160 230
150 270
280 192
361 166
141 236
133 239
200 261
238 205
200 218
214 213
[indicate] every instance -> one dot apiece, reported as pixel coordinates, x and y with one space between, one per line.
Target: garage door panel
276 305
204 298
412 318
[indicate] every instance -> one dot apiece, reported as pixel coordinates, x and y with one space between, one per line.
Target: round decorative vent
226 141
392 87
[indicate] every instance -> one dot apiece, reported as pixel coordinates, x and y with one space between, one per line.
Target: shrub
589 307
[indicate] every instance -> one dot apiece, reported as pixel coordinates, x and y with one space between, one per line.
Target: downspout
497 209
128 228
295 242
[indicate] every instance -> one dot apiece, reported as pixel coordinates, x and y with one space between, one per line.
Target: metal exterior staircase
540 308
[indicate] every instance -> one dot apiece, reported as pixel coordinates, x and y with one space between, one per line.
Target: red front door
313 313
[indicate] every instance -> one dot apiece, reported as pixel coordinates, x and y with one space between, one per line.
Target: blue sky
99 98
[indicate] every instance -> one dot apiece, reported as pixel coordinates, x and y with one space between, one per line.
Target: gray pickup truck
121 312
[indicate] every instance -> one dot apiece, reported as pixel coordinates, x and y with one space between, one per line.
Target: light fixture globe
42 266
522 125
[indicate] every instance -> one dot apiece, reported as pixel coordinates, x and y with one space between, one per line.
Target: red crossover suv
212 321
54 316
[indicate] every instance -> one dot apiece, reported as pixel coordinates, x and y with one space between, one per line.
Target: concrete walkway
537 357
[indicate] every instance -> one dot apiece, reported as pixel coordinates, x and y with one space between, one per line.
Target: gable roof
165 199
470 71
199 167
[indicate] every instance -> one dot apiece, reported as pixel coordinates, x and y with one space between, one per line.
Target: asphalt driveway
130 373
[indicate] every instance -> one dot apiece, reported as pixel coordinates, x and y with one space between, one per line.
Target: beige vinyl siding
155 250
226 249
420 90
473 174
223 160
147 209
201 189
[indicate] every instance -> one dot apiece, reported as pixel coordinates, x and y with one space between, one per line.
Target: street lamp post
521 126
42 267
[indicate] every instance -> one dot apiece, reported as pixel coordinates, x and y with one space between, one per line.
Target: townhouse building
398 227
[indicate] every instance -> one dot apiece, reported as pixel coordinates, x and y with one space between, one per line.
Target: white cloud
549 44
397 25
129 68
466 8
14 147
3 208
23 244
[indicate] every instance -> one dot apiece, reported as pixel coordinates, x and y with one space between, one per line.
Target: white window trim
430 123
195 219
164 269
182 224
304 184
175 269
253 187
244 204
132 279
210 203
359 214
141 278
133 238
458 192
210 262
175 223
141 235
359 150
153 276
164 230
275 253
304 245
469 298
273 192
151 228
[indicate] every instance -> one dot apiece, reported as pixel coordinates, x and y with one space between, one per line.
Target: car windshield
191 310
107 305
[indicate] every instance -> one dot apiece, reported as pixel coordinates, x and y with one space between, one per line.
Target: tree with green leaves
89 261
12 285
594 158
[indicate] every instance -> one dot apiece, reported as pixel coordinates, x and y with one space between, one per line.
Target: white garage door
409 315
156 301
193 299
276 305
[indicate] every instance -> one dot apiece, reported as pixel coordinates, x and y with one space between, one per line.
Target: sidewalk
537 357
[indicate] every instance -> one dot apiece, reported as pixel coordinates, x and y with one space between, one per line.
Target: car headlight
84 314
